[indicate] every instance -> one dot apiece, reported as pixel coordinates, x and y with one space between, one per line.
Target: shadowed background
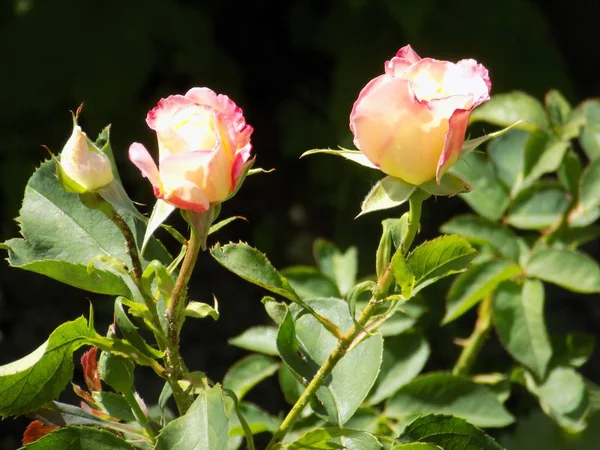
295 68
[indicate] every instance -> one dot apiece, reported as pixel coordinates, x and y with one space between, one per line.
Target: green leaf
573 238
489 196
543 154
130 332
402 274
337 265
562 396
347 387
449 185
569 173
258 420
417 446
506 152
161 211
538 431
439 258
505 109
80 438
116 371
590 135
573 349
384 249
404 357
203 427
589 188
351 155
308 282
114 405
261 339
518 313
199 310
28 383
335 439
451 433
274 309
247 373
566 268
389 192
253 266
471 144
474 284
217 226
558 109
444 393
538 206
291 388
480 230
61 236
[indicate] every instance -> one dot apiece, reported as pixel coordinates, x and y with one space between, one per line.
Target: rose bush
411 121
203 143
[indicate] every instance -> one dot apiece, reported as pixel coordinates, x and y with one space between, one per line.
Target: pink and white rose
411 121
203 144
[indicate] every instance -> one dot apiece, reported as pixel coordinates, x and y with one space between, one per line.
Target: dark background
295 67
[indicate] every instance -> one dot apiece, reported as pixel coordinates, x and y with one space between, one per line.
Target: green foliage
480 230
447 432
248 372
439 258
205 426
519 319
566 268
337 265
335 438
261 339
388 192
253 266
505 109
39 377
563 396
80 438
444 393
304 345
61 237
474 284
404 356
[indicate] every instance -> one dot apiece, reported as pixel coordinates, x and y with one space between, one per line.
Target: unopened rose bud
84 164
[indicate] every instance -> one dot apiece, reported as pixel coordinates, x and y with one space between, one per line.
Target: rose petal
397 133
188 195
159 117
139 156
453 141
408 54
210 171
371 85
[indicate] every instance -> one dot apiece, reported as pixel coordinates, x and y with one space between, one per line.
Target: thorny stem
174 361
348 340
475 342
130 243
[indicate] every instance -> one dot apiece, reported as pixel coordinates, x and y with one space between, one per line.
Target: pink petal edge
453 141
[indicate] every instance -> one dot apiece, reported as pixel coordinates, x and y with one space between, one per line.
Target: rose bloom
411 121
203 143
